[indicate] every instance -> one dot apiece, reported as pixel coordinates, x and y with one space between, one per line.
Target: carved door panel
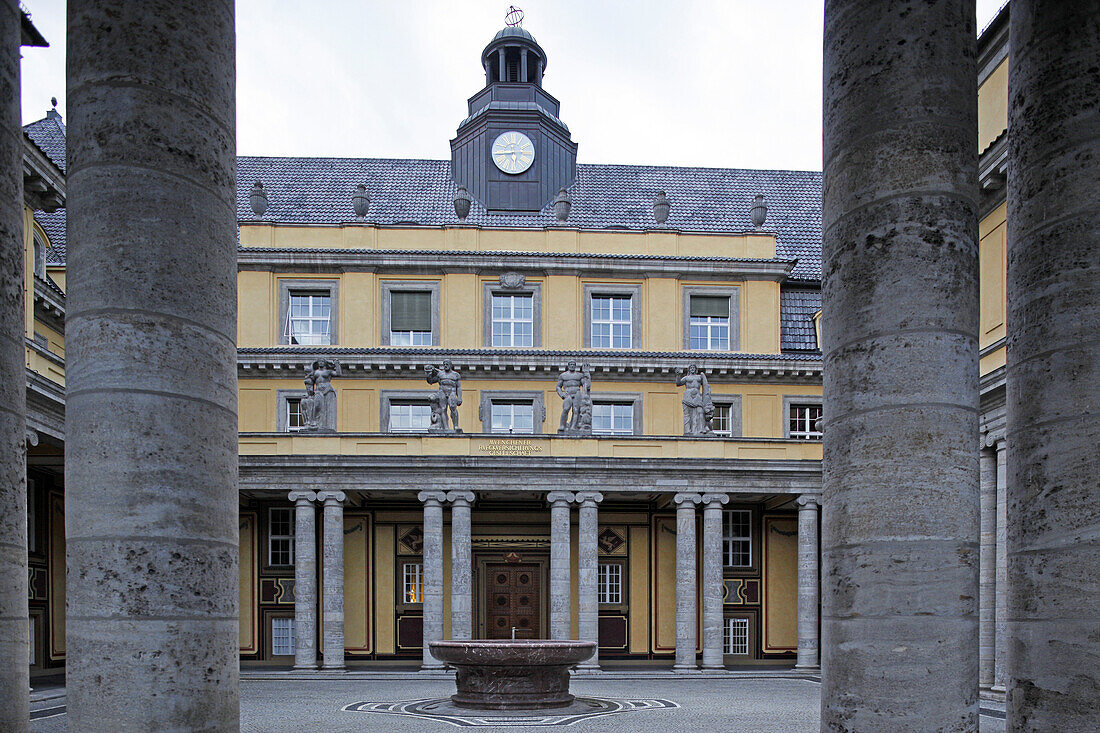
512 599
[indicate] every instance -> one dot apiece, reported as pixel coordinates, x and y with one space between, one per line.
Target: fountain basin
501 674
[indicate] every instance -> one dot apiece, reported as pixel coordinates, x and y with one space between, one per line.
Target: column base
713 666
589 667
310 667
330 667
808 667
686 669
433 667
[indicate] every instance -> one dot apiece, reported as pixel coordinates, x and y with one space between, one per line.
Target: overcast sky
726 83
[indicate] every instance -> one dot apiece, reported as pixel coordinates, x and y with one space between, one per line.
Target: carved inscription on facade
510 447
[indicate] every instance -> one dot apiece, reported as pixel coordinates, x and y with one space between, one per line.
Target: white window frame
612 322
410 338
511 339
735 636
609 583
632 406
799 422
294 414
396 408
511 405
314 298
412 581
728 430
272 537
716 333
287 635
730 540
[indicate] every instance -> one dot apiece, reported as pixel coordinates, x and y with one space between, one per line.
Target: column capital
560 497
432 497
461 497
1000 445
685 498
714 501
809 501
588 498
301 496
332 497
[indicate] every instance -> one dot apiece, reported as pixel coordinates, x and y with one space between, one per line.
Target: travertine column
899 332
332 549
462 624
1000 593
588 570
305 580
1053 372
561 601
686 587
14 638
809 582
713 590
151 366
987 581
433 573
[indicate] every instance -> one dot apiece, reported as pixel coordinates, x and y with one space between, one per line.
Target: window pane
737 538
736 636
803 422
612 418
720 423
282 636
710 305
308 319
413 582
410 310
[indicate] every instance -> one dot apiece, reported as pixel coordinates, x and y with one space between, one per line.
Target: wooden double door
513 599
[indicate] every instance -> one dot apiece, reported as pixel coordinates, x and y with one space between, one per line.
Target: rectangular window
282 636
513 417
610 583
720 423
737 538
710 322
308 318
410 417
803 422
611 322
613 418
294 414
513 320
737 636
410 318
280 536
414 582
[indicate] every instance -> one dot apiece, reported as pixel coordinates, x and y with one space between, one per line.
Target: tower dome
513 56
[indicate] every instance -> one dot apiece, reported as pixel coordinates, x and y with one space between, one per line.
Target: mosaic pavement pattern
583 708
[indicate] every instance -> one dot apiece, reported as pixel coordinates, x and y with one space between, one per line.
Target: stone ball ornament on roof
257 199
759 211
462 203
360 201
661 207
563 204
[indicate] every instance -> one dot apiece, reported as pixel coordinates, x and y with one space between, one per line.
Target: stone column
686 588
332 547
809 582
14 636
987 577
588 571
1000 593
900 345
433 573
305 580
713 590
462 584
561 601
1053 373
151 366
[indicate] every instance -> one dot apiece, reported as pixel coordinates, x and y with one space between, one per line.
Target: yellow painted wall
663 607
359 402
992 258
760 317
357 590
780 584
384 579
249 588
993 106
638 553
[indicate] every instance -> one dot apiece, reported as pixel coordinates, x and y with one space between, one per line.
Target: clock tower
512 153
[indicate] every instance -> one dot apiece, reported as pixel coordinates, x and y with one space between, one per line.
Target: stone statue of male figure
447 398
574 387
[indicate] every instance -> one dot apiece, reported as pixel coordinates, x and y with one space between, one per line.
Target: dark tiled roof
54 226
796 328
48 134
704 200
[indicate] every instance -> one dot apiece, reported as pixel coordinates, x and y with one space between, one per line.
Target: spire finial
514 17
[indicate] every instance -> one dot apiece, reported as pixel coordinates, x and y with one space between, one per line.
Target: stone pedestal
461 565
588 569
809 586
332 545
433 573
686 612
1053 372
561 596
713 624
900 343
305 580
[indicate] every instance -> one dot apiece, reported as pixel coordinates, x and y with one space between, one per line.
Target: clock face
513 152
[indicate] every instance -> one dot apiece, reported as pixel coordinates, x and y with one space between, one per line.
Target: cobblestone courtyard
751 705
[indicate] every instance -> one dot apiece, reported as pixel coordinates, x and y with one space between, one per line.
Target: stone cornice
535 364
49 305
993 175
495 263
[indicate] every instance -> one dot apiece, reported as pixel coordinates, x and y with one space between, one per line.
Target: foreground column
1000 592
462 623
1053 373
332 547
561 597
151 403
14 635
305 580
900 304
809 583
987 581
433 573
686 589
713 590
588 572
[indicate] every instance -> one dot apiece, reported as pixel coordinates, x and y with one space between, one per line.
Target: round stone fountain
501 674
